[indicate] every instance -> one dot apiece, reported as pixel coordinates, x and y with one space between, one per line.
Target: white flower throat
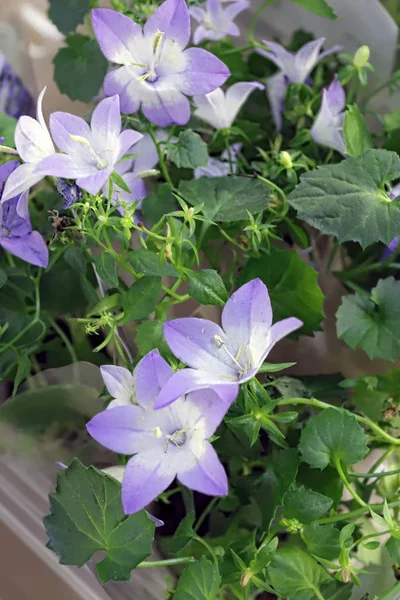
101 163
243 359
157 49
178 438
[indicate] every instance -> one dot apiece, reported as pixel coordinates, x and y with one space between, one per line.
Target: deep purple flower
216 21
69 191
15 99
156 71
327 129
166 443
223 358
34 144
89 153
16 235
220 109
293 68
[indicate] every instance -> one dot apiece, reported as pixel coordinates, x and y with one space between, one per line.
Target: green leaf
105 304
107 269
199 581
141 299
393 547
391 121
305 505
119 181
39 409
295 575
7 129
24 366
189 151
333 435
68 14
147 262
87 516
337 591
158 203
319 7
207 287
80 68
292 286
369 398
270 489
327 483
349 199
372 323
3 278
322 540
75 258
356 135
226 198
150 335
182 536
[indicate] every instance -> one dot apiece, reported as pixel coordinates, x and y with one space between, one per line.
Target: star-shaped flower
327 129
223 358
156 71
216 21
168 443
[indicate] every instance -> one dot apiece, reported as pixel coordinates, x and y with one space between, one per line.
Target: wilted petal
208 476
30 248
202 74
116 35
151 374
146 477
21 180
106 122
276 90
173 19
119 383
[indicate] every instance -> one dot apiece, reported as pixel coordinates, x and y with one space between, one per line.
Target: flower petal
173 19
237 95
247 317
63 125
278 331
212 407
198 14
124 82
122 429
106 123
146 154
151 374
30 140
94 183
276 90
31 248
194 342
21 180
234 9
212 109
305 60
127 139
119 383
146 477
116 35
64 165
203 73
208 476
166 107
327 129
200 33
136 185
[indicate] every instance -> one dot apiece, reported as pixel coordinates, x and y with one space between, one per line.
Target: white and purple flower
216 21
168 443
16 234
327 129
34 144
223 358
220 109
293 68
226 165
89 154
156 72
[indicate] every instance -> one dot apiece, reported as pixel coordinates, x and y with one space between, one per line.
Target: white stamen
157 432
101 163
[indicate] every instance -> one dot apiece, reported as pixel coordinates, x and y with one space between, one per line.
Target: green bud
102 219
286 160
361 57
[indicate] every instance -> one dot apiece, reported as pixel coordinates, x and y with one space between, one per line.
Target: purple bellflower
327 129
223 358
89 153
216 21
16 235
389 250
34 144
15 100
167 443
220 168
220 109
156 71
293 68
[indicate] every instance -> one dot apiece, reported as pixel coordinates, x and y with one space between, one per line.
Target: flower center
178 438
101 163
158 46
242 367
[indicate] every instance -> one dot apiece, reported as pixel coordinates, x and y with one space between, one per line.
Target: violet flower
89 153
389 250
165 443
216 21
228 356
327 129
220 109
34 144
70 192
293 68
15 100
16 235
156 71
220 168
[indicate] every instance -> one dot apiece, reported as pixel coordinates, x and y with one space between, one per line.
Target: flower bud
286 160
102 219
245 578
361 57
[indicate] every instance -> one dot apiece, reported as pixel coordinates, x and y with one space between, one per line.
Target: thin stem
65 339
347 484
170 562
369 537
171 293
354 514
254 20
205 513
161 159
374 475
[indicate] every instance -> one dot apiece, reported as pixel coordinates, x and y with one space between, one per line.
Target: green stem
374 475
390 593
347 484
65 339
205 513
354 514
170 562
171 293
255 19
369 537
161 159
